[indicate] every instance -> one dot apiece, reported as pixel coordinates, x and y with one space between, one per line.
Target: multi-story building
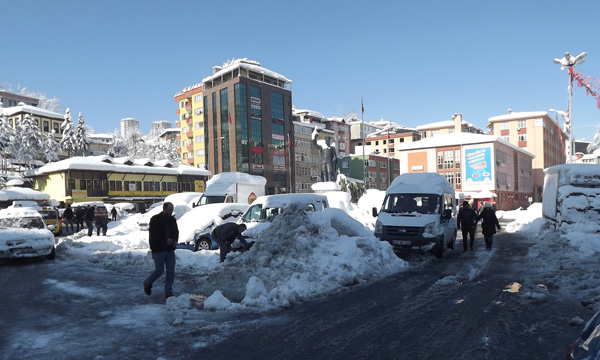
8 99
484 167
248 117
307 157
129 127
457 124
158 127
384 141
113 180
359 131
99 143
380 172
191 125
538 134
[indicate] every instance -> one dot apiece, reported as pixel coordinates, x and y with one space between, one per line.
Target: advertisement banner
478 165
199 185
79 193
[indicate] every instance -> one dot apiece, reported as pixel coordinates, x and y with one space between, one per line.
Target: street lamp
570 61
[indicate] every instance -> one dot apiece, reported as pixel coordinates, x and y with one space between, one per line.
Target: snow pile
577 209
302 255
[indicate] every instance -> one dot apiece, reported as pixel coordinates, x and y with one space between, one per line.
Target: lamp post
569 61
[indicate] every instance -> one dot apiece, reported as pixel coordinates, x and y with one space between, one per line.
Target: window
56 127
523 137
46 126
448 159
457 159
504 125
505 137
522 124
440 160
199 125
435 133
458 182
82 185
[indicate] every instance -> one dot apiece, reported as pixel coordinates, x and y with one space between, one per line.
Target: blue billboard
478 165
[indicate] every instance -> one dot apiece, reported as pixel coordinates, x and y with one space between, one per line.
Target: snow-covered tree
595 144
81 143
165 149
50 147
118 148
68 134
136 146
6 131
26 142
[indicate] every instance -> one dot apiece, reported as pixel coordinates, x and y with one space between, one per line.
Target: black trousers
470 231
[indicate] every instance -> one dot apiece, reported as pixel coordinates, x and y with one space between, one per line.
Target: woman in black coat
488 225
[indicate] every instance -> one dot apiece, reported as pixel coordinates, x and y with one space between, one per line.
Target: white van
418 214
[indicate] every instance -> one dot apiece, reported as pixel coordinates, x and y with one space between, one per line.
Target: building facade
129 127
192 140
379 173
457 124
482 166
113 180
248 117
536 133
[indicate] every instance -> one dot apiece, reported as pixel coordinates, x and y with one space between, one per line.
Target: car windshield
48 214
412 203
212 200
25 222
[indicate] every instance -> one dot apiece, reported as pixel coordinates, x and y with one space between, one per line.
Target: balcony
178 137
189 120
190 147
178 149
178 124
190 161
189 134
177 111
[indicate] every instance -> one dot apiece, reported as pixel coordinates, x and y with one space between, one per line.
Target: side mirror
51 227
447 214
374 212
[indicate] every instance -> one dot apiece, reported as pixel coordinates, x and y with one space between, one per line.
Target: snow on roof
9 111
576 174
117 165
458 139
439 124
283 200
425 183
100 136
18 193
236 177
186 89
325 186
246 64
518 115
310 113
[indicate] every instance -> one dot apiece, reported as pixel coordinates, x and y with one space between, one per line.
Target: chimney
457 122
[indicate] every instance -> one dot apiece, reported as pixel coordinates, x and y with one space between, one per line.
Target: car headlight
378 227
429 230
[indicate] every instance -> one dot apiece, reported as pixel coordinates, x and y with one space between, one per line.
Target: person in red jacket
163 237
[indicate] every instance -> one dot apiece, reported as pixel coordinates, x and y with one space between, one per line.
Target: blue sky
413 62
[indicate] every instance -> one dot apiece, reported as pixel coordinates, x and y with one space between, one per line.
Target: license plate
401 242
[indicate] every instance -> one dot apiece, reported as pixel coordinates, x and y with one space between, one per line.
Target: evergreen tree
50 147
68 134
81 143
6 131
26 142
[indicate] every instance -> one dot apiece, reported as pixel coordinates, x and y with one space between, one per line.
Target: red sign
257 150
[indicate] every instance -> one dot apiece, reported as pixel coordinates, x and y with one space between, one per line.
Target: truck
418 214
233 187
571 197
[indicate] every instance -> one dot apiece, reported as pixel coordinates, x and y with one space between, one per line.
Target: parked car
587 346
196 225
23 234
52 220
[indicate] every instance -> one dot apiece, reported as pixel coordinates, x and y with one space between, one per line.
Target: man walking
163 237
225 235
113 213
467 219
79 215
68 214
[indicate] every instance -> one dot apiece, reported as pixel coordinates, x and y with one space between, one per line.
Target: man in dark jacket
79 215
113 213
467 219
101 224
89 219
488 225
163 237
225 235
68 214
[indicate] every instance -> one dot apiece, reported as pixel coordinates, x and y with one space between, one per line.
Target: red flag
229 118
362 105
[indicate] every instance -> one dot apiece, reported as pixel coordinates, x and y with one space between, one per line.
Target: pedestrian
467 221
225 235
163 237
79 215
102 224
89 218
489 224
68 214
113 213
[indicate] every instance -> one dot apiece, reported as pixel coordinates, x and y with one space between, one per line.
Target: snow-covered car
23 233
52 220
196 225
264 209
587 346
144 220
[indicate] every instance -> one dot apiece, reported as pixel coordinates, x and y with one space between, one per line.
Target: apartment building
8 99
457 124
190 111
536 133
484 167
248 117
384 141
379 173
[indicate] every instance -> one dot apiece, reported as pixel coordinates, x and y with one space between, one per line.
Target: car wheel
204 244
438 249
52 254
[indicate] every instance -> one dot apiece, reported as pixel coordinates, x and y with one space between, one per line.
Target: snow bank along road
455 308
